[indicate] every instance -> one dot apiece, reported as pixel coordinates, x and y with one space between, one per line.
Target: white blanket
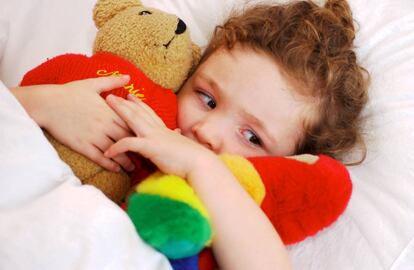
48 220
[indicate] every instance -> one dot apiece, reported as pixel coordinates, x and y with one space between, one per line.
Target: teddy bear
153 47
300 195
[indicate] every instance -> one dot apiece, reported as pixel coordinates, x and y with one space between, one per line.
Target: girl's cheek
185 115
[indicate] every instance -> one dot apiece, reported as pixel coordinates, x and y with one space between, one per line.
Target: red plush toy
303 195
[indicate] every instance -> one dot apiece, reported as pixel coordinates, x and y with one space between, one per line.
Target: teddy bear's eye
144 12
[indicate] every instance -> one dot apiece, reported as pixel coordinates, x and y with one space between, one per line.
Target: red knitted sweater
69 67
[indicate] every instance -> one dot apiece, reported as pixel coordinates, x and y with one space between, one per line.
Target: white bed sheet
377 229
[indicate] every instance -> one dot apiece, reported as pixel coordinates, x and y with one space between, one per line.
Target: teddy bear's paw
81 166
114 185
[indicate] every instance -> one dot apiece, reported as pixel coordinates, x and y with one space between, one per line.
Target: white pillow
383 202
378 225
4 34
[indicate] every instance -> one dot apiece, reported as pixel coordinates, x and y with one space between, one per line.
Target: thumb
103 84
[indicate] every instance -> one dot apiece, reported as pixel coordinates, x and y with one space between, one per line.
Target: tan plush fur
143 41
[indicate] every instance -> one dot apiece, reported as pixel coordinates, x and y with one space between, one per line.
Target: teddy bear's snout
181 27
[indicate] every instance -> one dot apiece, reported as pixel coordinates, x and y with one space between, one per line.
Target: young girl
274 80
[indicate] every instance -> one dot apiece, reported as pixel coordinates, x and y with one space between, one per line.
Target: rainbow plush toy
300 195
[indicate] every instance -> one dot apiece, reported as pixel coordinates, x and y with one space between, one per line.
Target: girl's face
237 102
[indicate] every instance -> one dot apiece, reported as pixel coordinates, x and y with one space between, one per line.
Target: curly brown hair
313 46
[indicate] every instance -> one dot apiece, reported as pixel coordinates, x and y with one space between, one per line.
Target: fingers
124 145
94 154
129 115
137 117
103 84
122 108
121 123
124 161
117 132
147 109
121 159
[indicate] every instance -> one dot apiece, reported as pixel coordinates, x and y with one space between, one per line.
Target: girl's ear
105 10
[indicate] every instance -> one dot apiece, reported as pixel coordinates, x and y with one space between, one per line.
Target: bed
47 216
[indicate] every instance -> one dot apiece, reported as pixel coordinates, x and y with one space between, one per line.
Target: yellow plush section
173 187
247 175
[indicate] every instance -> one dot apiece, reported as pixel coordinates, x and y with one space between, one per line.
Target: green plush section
174 228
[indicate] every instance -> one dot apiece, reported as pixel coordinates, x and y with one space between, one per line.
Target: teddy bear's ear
196 56
105 10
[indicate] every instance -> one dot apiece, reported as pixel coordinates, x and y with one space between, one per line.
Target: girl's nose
208 135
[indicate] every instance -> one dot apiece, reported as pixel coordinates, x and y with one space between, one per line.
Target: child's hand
168 149
77 116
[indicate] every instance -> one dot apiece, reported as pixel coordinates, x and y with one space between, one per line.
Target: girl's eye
207 99
145 12
251 137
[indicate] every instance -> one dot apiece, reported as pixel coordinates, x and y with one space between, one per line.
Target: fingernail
117 169
130 168
131 96
113 98
125 77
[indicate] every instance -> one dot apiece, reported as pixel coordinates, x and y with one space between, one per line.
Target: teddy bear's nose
181 27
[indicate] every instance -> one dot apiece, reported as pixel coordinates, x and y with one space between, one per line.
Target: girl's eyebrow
211 82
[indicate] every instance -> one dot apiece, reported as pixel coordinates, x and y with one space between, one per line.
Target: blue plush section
189 263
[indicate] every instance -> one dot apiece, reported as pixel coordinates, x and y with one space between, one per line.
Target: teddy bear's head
156 42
